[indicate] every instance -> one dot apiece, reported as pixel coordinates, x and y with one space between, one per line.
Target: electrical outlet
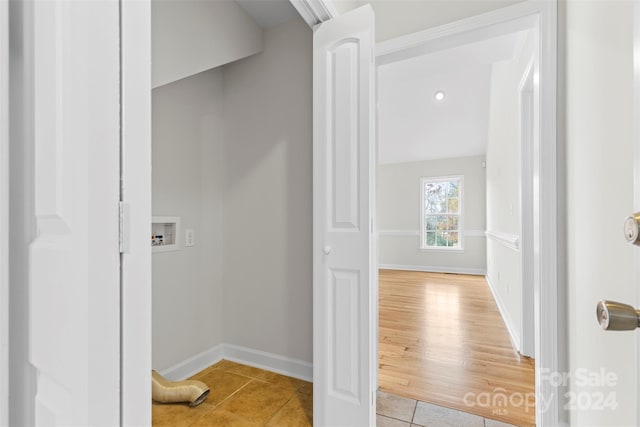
189 239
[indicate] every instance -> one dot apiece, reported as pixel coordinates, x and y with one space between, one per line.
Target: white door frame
549 350
135 168
4 213
528 120
636 157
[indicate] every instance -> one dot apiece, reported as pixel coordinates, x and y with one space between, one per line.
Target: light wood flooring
442 340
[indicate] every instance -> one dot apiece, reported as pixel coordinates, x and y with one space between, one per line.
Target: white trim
528 99
511 241
291 367
135 45
508 322
551 351
315 12
636 165
434 269
512 18
191 366
260 359
4 213
416 233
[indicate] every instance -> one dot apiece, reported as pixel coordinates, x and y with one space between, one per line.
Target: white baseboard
511 328
194 364
434 269
272 362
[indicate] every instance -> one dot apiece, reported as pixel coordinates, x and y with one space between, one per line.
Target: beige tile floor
244 396
396 411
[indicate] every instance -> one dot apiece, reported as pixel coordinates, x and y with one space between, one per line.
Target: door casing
4 213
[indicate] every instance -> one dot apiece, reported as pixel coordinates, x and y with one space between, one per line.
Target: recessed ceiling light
439 96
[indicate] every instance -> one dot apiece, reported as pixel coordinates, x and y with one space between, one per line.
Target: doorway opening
458 134
231 206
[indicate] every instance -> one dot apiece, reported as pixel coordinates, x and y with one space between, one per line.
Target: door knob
326 250
615 316
632 228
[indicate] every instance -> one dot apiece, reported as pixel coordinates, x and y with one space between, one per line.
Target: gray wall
267 204
232 157
190 36
187 182
399 216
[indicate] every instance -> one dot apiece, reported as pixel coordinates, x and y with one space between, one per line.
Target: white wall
190 36
187 182
599 138
400 17
267 203
504 263
399 215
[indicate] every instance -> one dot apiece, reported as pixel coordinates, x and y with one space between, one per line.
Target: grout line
415 408
281 408
233 394
394 418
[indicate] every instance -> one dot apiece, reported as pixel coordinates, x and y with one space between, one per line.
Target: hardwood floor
442 340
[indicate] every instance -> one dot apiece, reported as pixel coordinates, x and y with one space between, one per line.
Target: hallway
442 340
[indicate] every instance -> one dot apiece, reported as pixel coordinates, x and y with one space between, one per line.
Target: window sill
448 250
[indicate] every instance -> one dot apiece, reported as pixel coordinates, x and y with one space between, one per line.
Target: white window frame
423 233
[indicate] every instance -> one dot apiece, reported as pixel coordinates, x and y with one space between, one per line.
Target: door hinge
124 227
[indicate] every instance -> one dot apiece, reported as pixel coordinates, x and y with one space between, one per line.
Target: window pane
453 238
431 238
441 239
454 188
453 222
431 222
431 197
454 205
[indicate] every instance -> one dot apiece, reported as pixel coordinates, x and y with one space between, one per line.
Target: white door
343 184
74 282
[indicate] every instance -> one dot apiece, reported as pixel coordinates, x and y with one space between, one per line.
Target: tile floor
396 411
244 396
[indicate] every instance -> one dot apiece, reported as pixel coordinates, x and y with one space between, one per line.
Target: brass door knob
616 316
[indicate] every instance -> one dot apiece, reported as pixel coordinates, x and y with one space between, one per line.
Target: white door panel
344 278
74 261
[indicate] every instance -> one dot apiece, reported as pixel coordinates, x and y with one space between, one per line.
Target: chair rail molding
511 241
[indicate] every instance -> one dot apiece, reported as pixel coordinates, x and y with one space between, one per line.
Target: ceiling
413 126
269 13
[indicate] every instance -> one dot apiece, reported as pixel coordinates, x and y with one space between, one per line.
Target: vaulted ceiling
413 125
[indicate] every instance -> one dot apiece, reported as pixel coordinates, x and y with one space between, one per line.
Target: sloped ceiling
414 126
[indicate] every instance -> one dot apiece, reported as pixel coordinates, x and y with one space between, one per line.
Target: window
441 213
